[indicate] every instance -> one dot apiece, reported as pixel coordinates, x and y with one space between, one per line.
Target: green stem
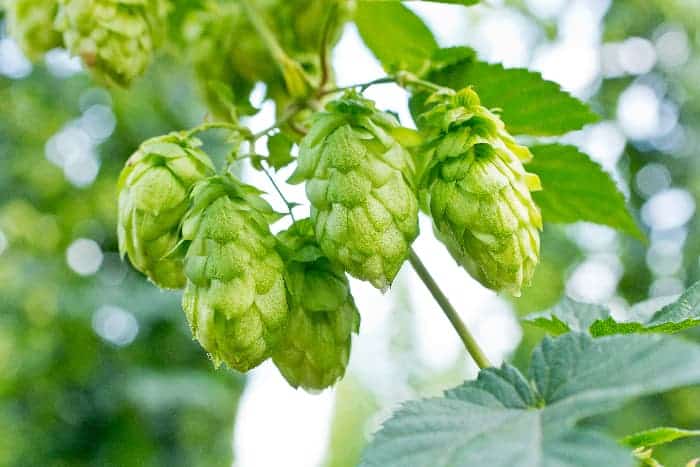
325 52
276 50
362 86
469 342
279 191
289 113
404 79
294 76
215 125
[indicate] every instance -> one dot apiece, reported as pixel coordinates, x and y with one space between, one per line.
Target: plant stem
268 38
325 51
294 76
279 192
469 342
289 113
363 86
404 78
206 126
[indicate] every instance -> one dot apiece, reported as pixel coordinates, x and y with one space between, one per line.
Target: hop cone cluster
115 38
235 298
359 182
154 196
479 192
31 24
315 348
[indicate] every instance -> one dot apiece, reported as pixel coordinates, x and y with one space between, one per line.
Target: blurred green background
98 368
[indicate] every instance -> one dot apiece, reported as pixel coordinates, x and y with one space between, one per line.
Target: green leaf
575 188
504 419
280 148
529 104
657 436
570 315
396 36
679 315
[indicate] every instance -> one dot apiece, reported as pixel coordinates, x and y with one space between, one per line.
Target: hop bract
30 23
235 298
479 192
315 348
154 189
360 184
115 38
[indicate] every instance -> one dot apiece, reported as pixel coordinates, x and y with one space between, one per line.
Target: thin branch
325 51
469 342
362 86
206 126
290 112
279 191
405 79
267 36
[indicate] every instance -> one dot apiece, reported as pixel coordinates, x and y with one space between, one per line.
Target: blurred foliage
67 396
646 19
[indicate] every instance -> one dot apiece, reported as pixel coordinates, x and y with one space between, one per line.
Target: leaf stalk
460 327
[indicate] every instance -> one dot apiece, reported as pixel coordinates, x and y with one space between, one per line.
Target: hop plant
115 38
360 184
315 348
479 192
154 189
30 23
235 298
219 40
230 58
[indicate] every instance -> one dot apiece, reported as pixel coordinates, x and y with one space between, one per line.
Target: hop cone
115 38
479 192
235 299
359 182
315 348
31 24
154 195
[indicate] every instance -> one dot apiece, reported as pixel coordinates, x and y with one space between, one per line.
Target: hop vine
249 295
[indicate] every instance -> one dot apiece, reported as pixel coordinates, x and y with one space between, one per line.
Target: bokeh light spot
668 209
84 256
115 325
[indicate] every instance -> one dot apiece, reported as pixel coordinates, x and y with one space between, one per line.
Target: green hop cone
315 349
359 180
154 189
235 298
479 192
30 23
115 38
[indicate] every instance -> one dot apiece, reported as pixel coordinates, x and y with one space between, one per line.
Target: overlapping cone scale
315 348
235 298
359 181
154 189
479 192
31 24
115 38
